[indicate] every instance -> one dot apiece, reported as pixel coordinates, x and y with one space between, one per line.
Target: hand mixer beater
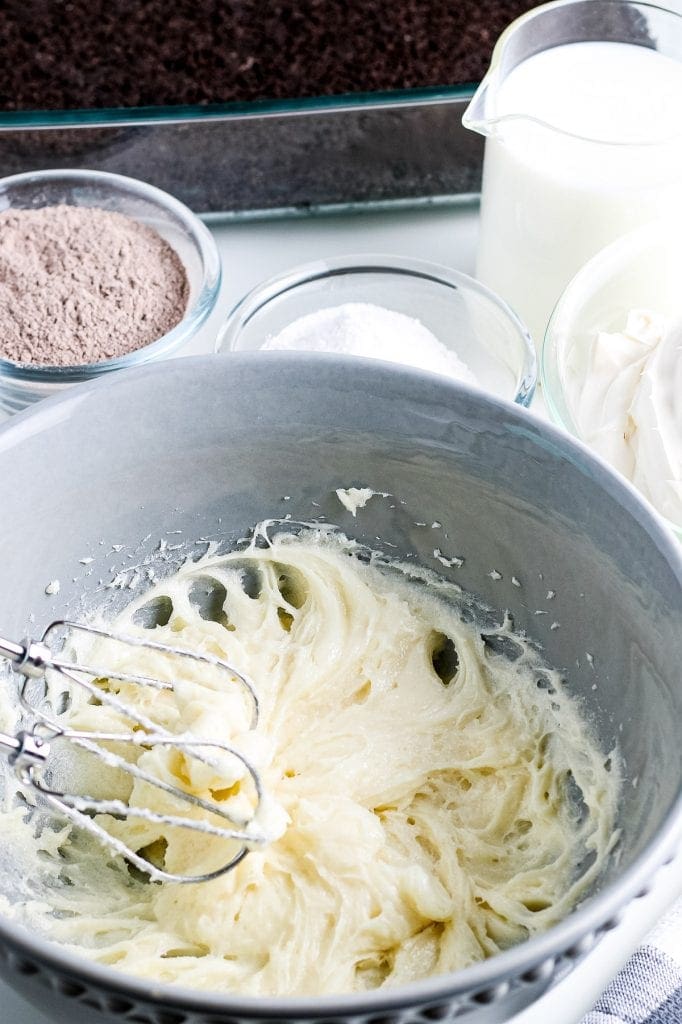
31 752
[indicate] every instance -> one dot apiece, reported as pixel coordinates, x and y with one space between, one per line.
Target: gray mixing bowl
208 446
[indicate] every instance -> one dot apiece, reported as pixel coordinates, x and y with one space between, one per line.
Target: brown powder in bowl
79 285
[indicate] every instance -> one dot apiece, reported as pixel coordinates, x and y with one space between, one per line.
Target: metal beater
30 751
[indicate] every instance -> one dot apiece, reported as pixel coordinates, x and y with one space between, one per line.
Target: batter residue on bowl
440 796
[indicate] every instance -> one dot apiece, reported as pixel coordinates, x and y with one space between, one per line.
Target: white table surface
254 251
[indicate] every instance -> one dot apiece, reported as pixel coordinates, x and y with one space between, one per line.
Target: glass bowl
466 317
640 270
21 383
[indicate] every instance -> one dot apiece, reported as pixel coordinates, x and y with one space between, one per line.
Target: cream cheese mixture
431 802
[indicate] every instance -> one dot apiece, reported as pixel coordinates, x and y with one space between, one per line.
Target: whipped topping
625 401
363 329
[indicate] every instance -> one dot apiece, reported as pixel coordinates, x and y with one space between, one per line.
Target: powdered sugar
363 329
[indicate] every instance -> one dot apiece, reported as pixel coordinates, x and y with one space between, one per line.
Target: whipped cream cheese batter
431 801
626 404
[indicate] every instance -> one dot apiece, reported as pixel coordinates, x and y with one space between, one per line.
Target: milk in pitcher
584 142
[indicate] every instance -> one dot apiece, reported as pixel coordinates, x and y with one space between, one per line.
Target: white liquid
552 199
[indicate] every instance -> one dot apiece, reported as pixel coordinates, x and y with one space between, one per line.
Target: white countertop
256 250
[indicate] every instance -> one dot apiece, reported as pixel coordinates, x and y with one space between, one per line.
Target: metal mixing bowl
208 446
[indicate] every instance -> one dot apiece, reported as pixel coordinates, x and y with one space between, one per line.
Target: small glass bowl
640 270
466 317
22 383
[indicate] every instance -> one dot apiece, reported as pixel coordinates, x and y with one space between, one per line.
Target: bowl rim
379 263
194 315
621 249
595 915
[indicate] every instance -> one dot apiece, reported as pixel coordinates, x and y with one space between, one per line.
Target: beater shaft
29 658
26 748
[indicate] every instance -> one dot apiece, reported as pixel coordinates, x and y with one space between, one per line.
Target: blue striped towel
648 990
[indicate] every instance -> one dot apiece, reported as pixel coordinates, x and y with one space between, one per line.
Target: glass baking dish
267 158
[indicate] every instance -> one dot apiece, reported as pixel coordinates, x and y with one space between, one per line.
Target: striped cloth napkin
648 990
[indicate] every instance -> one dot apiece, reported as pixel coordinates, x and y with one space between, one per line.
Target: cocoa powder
80 284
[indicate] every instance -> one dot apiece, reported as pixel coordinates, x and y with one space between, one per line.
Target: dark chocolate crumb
131 53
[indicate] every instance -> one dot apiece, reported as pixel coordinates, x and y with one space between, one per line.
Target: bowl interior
462 315
217 444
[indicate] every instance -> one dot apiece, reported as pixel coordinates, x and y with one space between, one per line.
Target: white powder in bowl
363 329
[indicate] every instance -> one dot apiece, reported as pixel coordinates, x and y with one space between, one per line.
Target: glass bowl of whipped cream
611 365
407 311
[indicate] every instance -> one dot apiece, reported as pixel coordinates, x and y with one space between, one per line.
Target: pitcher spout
477 117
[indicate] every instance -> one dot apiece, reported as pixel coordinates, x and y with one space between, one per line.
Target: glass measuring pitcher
583 142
